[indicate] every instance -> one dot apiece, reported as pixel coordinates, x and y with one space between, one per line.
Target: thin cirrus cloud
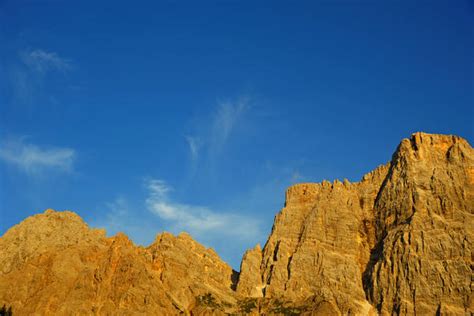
121 216
33 159
194 144
225 119
198 220
29 72
220 127
43 61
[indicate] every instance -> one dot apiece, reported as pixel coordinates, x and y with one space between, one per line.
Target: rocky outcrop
397 242
54 264
189 271
250 282
321 242
425 223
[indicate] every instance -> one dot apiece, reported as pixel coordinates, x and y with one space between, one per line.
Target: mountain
397 242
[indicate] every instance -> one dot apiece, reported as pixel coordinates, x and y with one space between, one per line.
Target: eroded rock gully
397 242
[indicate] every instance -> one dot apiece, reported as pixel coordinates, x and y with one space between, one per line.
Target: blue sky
196 116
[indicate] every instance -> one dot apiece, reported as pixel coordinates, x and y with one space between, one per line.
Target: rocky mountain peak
365 242
397 242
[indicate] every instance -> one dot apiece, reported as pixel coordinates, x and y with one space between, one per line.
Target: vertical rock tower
399 241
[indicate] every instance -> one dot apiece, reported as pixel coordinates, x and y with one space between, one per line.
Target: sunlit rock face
424 229
53 263
397 242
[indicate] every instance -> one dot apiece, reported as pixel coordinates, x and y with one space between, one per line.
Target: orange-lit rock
397 242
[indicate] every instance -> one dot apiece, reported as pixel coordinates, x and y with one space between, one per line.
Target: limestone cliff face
425 224
189 271
54 264
250 284
397 242
321 242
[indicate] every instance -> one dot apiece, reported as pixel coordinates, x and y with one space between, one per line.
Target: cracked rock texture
397 242
54 264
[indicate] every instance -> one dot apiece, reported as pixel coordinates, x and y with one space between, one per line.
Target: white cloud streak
121 216
218 129
227 115
29 73
197 220
42 61
194 144
33 159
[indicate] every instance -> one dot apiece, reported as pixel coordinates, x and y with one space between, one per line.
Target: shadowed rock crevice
6 311
375 255
234 278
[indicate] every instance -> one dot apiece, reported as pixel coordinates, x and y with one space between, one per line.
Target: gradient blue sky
197 115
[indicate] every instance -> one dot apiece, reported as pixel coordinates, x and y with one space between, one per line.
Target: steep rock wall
399 241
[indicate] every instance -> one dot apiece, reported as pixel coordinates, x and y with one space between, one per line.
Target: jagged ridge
399 241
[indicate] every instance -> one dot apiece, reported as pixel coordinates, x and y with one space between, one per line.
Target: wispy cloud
197 220
33 159
119 207
296 177
42 61
194 144
225 119
214 134
120 215
29 70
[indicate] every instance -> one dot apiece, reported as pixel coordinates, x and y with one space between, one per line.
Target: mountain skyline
197 117
397 242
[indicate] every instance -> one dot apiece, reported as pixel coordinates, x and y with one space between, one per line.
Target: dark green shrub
208 300
247 305
6 311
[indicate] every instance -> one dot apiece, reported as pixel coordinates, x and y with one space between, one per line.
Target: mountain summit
397 242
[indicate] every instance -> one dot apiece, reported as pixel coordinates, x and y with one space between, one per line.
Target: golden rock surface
397 242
